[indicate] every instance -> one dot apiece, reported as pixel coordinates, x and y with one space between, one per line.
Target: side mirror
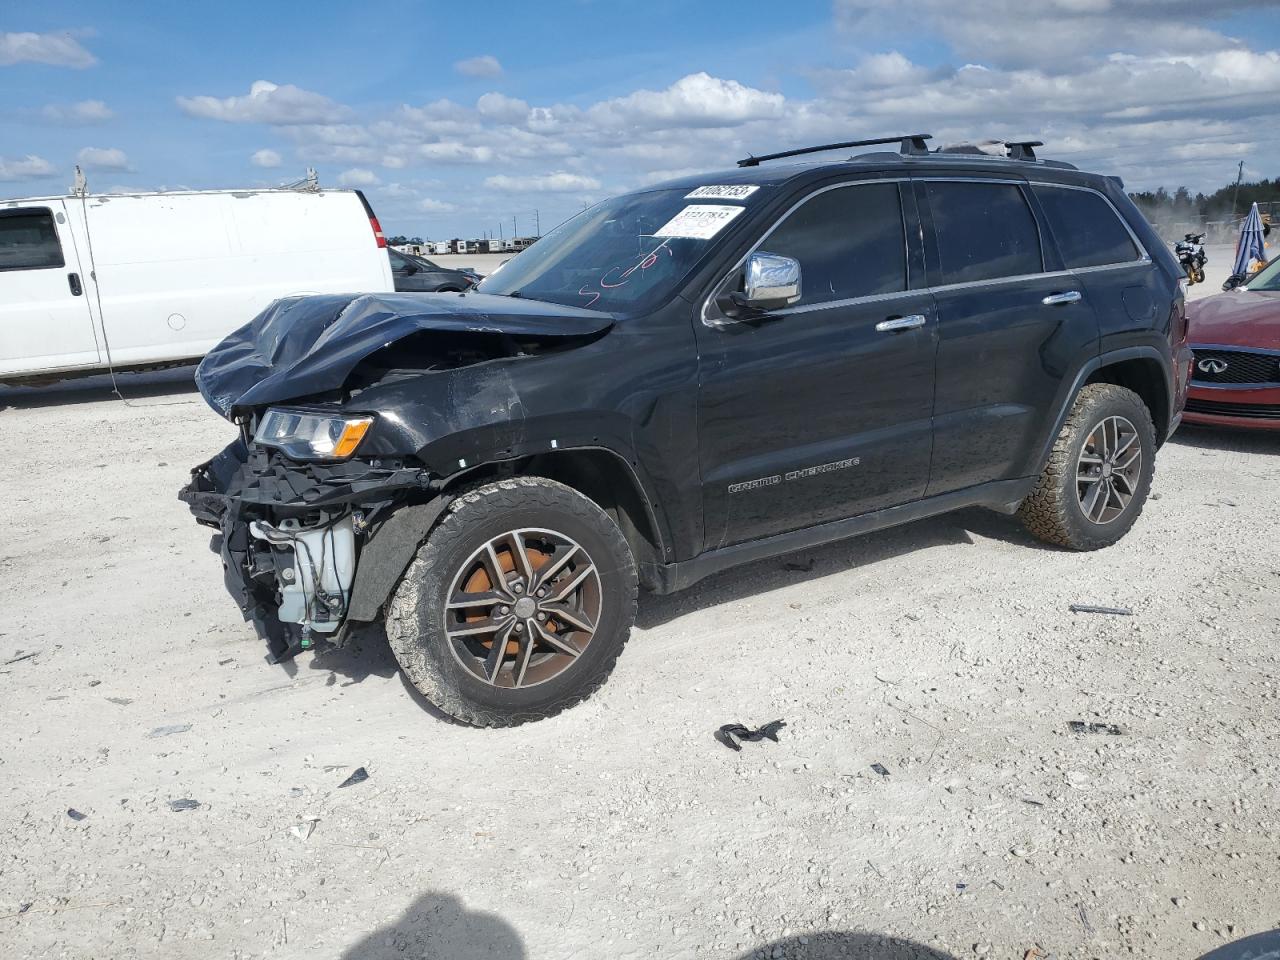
771 282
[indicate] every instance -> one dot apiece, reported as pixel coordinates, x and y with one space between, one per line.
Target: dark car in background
419 275
1235 380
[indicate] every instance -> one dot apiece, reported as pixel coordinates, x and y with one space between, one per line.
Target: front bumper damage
290 535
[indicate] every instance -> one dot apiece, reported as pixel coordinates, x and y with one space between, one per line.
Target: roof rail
911 144
1023 149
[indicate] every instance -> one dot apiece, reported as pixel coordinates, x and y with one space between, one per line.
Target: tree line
1183 205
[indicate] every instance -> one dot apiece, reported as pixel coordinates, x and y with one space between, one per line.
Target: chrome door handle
901 323
1070 296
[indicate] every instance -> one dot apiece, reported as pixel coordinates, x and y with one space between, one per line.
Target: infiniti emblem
1212 365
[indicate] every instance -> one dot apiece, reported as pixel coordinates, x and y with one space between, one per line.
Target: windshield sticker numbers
699 221
727 192
618 276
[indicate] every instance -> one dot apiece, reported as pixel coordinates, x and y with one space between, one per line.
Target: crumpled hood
299 346
1241 318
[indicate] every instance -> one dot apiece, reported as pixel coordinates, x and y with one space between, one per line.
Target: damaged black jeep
678 380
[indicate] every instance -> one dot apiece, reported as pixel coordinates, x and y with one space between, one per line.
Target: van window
28 240
984 231
1087 230
850 242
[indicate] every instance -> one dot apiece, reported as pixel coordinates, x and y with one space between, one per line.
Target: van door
822 410
45 323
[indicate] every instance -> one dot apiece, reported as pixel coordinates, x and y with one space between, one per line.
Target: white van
130 280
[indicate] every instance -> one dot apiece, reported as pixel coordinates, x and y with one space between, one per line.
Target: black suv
692 376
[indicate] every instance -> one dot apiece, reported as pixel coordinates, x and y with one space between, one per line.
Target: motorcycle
1190 252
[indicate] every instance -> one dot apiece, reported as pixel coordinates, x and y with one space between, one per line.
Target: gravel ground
943 651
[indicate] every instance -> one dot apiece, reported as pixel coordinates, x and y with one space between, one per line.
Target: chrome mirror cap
772 281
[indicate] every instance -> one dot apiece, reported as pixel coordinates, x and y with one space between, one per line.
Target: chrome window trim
1144 256
1143 259
906 256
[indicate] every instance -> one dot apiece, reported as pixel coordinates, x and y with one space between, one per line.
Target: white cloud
454 152
483 66
29 167
103 158
55 49
265 158
698 100
266 102
427 205
495 106
358 177
83 112
560 182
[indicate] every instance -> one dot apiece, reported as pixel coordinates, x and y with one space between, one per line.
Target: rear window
28 240
849 242
984 231
1087 230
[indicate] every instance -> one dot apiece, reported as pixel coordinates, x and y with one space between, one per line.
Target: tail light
377 232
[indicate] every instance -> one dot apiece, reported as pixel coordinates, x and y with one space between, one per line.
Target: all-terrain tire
1052 511
416 615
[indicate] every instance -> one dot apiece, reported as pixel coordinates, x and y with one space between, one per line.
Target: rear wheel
516 606
1099 473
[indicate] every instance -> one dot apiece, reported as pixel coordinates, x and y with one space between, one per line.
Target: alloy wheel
523 608
1108 470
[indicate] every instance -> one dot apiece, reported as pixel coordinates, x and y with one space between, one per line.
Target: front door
822 410
45 322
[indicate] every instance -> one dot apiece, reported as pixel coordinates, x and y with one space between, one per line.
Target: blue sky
455 117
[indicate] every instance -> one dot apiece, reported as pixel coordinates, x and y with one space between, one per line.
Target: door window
28 240
984 231
850 242
1086 227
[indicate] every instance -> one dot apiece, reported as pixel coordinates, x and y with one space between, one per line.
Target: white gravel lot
943 650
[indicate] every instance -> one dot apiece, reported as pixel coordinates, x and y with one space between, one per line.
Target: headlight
301 435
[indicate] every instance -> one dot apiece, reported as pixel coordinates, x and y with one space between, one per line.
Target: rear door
45 323
1011 325
822 411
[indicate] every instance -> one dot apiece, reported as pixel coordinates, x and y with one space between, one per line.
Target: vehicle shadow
141 387
439 925
845 945
764 576
1231 439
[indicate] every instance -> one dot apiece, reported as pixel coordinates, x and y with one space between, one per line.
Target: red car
1235 376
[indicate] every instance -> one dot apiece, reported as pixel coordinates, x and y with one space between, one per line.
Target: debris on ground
177 806
731 734
120 701
75 814
22 656
170 730
880 768
359 775
1114 611
797 567
1079 726
304 829
223 663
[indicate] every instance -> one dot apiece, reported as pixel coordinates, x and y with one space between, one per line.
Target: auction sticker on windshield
725 192
699 221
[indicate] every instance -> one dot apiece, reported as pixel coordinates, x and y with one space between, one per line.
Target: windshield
621 255
1268 278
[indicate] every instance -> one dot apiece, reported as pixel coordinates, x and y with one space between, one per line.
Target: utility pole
1236 195
515 230
537 223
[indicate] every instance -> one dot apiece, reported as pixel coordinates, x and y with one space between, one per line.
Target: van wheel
1099 473
516 606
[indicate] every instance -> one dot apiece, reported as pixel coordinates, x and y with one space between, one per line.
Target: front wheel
1099 472
516 606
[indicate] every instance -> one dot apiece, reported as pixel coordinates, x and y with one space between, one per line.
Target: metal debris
177 806
22 656
732 733
75 814
880 768
1114 611
1079 726
359 775
304 829
170 730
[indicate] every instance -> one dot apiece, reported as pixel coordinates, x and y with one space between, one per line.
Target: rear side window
28 240
1087 230
850 243
984 231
